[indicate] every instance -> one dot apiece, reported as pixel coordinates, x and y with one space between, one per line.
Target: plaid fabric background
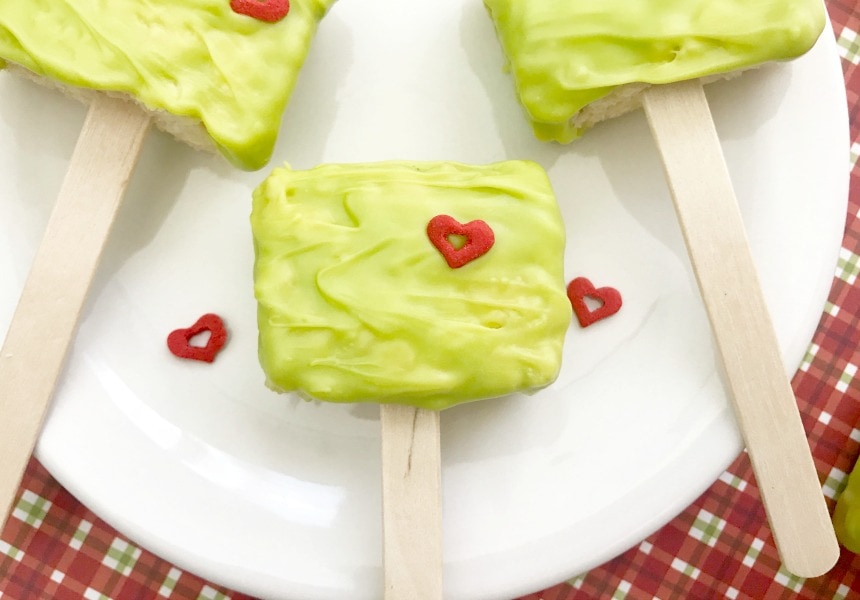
53 548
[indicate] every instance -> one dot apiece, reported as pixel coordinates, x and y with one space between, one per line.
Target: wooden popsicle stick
46 317
763 400
411 503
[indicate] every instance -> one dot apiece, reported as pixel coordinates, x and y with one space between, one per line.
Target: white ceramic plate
280 498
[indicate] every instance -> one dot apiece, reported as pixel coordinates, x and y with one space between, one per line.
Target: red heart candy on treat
179 341
581 288
478 236
264 10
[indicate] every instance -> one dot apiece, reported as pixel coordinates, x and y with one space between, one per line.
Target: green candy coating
191 58
355 304
566 54
846 515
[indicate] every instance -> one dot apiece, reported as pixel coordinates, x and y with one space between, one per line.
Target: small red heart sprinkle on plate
478 239
581 288
270 11
179 341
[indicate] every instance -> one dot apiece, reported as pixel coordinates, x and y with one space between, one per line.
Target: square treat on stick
418 286
577 63
215 73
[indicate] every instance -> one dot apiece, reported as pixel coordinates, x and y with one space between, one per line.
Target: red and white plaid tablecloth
720 547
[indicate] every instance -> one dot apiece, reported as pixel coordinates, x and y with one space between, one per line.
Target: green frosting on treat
192 58
357 305
565 54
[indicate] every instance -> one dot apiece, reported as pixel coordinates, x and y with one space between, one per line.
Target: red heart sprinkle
270 11
179 341
478 236
581 288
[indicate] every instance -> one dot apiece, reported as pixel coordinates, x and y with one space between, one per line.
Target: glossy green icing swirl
565 54
192 58
356 305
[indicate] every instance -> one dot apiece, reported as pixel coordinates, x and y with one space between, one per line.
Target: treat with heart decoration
179 340
356 305
478 236
215 79
581 288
